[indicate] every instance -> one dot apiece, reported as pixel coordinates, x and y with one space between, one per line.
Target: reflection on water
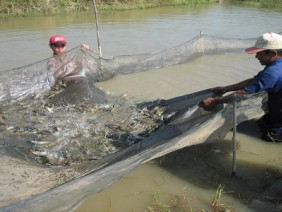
130 32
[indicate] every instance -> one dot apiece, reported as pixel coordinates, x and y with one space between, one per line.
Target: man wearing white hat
268 49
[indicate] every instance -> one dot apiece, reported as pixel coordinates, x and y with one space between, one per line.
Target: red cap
58 39
253 50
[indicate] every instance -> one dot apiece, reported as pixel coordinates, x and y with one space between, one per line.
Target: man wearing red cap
58 44
63 67
76 73
268 49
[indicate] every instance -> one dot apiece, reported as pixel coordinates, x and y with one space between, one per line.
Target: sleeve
264 81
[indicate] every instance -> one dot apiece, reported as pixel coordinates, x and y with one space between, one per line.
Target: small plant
178 203
157 205
216 202
181 203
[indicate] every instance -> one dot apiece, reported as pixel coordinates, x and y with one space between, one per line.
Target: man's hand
84 47
210 102
240 93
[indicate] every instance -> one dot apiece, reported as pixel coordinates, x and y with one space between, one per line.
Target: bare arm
235 87
238 87
213 101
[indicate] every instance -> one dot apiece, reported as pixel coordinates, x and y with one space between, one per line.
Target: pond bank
21 8
15 8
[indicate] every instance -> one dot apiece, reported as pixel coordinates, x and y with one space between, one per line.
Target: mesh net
68 120
52 112
40 77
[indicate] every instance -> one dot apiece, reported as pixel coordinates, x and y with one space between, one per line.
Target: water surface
25 40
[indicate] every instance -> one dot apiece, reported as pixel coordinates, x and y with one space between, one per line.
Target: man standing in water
70 67
76 73
62 66
268 49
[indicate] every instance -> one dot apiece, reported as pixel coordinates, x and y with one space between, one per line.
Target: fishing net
85 65
68 119
53 113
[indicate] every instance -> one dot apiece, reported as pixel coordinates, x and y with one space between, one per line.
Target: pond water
25 40
192 175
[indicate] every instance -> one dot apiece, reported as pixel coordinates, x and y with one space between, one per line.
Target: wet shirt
270 80
64 67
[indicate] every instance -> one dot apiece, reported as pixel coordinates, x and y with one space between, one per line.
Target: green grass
271 4
11 8
41 7
48 7
182 203
177 203
217 204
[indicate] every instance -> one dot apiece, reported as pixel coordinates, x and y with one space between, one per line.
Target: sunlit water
204 72
25 40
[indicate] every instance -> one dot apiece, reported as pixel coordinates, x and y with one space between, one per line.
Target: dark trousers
268 130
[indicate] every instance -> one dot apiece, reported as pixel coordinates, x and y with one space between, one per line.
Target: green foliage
258 3
216 201
41 7
36 7
177 203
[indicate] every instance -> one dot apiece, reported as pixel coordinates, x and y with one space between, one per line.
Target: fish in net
98 136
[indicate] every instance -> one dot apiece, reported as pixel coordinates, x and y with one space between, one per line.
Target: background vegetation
41 7
36 7
277 4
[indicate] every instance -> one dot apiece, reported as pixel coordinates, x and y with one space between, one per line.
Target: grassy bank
277 4
47 7
9 8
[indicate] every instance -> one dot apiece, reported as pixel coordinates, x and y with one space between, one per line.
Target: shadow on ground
256 185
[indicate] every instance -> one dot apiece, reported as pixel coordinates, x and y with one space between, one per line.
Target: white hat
268 40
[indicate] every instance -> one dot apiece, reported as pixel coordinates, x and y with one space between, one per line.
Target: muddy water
25 40
193 173
204 72
189 177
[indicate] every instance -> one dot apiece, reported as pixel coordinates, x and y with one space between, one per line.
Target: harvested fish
67 134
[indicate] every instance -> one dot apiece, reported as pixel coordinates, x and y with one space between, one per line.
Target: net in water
65 122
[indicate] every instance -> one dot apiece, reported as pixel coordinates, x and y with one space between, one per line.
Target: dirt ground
21 177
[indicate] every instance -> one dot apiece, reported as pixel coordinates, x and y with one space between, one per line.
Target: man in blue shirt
268 49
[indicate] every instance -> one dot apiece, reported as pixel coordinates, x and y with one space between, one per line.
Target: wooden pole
202 42
97 29
234 137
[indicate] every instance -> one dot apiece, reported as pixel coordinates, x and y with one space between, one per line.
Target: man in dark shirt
268 49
